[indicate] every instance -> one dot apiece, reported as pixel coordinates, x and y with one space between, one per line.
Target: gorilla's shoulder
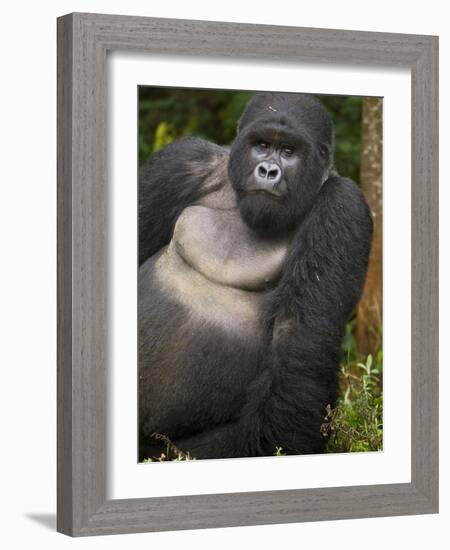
192 156
346 197
172 179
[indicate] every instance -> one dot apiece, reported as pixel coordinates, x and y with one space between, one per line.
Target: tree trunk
369 314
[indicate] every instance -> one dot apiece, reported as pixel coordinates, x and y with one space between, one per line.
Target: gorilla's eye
263 144
287 151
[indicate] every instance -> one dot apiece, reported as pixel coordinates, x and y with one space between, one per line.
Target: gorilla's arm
323 279
170 180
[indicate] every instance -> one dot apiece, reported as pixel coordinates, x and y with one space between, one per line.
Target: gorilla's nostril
262 172
273 174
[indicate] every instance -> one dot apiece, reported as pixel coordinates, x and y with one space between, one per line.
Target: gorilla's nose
267 174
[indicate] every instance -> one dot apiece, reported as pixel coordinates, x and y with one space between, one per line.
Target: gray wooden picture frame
83 41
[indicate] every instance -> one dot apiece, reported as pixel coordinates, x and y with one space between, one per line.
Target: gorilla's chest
220 269
201 320
218 245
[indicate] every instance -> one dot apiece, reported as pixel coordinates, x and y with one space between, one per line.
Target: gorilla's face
279 160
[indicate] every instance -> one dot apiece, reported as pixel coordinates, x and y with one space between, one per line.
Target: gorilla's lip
272 194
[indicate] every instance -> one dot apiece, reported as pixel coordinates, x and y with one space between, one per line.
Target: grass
356 423
171 451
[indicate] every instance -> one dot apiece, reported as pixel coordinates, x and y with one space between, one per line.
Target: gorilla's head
279 160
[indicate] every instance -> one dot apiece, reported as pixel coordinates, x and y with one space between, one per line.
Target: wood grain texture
425 273
83 40
64 299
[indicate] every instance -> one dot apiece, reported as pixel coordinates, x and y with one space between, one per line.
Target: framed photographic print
247 274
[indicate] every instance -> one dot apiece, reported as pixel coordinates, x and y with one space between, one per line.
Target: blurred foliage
166 114
169 113
346 114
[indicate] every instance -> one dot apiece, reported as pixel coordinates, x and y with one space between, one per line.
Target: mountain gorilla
252 259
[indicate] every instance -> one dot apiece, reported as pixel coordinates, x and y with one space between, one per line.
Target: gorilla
252 259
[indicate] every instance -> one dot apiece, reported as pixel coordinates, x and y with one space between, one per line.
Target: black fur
280 391
169 181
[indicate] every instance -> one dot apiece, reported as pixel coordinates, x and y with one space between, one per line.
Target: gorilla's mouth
273 194
265 213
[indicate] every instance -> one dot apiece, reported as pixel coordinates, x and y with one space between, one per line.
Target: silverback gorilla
252 259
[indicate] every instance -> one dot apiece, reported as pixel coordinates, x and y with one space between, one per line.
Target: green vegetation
356 424
166 114
172 451
346 114
279 452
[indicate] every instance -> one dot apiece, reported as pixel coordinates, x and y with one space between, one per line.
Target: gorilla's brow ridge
274 130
